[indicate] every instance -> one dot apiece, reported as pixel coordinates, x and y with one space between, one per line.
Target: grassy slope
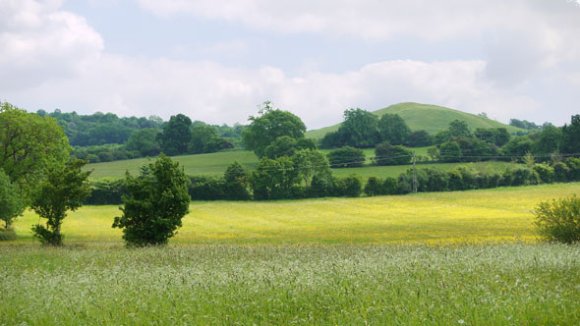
215 164
502 214
431 118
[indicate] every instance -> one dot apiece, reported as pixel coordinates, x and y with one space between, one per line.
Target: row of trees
36 171
362 129
285 178
104 137
460 144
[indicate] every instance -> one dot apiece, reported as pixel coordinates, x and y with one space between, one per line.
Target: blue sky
216 61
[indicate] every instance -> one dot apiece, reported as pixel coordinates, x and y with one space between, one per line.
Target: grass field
495 215
511 284
463 258
215 164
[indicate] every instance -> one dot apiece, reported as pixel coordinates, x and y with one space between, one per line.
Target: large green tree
393 129
64 189
275 179
270 125
571 136
29 145
155 203
387 154
145 142
176 136
11 203
359 129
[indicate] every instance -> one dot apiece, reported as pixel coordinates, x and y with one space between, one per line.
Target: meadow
494 215
462 258
215 164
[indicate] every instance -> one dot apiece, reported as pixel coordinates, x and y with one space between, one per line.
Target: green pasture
215 164
495 215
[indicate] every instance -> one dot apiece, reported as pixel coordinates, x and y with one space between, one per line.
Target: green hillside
215 164
431 118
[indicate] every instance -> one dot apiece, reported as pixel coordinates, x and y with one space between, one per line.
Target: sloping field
215 164
502 214
432 118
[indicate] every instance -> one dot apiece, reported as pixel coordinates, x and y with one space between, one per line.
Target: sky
217 61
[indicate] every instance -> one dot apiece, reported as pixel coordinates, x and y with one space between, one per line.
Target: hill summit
432 118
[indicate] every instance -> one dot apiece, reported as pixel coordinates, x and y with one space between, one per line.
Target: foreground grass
512 284
495 215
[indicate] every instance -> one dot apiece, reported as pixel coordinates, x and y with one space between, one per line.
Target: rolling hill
431 118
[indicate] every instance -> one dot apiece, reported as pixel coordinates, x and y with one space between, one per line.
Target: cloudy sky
217 60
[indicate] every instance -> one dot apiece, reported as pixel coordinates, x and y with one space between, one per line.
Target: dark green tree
518 146
269 126
571 136
205 139
450 152
155 203
373 187
419 138
346 157
275 179
496 136
359 129
547 141
145 142
387 154
311 164
281 146
64 189
29 145
176 136
236 182
392 128
459 128
11 202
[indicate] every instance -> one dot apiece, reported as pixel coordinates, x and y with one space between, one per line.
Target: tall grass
286 285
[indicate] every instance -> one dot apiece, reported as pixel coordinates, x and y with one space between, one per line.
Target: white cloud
54 59
370 19
39 42
211 92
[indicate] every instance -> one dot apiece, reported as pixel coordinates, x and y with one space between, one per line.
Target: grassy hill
431 118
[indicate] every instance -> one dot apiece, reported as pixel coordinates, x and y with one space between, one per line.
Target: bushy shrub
559 220
346 157
155 203
347 187
373 187
523 176
106 192
207 188
387 154
320 187
545 172
390 186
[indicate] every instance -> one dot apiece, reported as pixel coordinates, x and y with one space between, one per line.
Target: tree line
105 137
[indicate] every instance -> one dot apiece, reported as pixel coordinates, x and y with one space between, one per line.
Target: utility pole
414 173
